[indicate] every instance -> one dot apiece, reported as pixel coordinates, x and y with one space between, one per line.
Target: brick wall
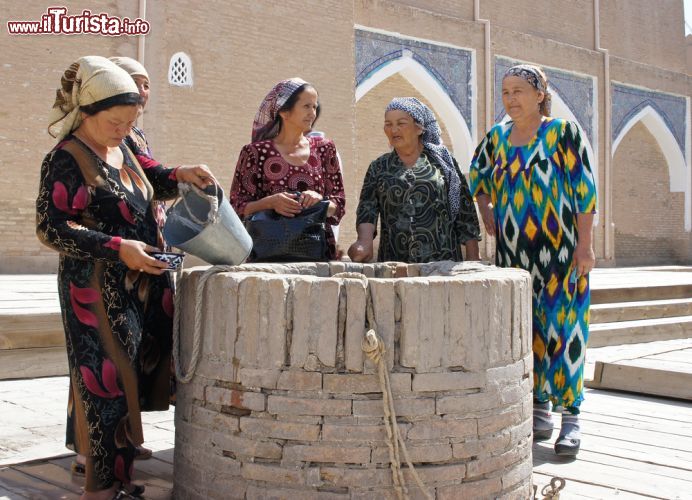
643 31
649 219
31 71
567 22
238 52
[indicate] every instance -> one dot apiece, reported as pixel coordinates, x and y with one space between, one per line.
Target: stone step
645 309
640 292
31 329
33 362
637 331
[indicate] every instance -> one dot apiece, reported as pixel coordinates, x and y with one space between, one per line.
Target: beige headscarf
88 80
132 66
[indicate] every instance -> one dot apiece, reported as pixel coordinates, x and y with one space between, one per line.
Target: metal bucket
205 225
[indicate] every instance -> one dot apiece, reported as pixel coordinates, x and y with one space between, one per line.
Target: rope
373 347
186 375
213 200
552 490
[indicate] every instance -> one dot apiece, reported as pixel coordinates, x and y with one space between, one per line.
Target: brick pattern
312 426
236 57
651 231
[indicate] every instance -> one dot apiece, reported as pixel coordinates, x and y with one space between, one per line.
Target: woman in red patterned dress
282 169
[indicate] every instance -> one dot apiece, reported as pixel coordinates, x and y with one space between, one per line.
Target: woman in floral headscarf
417 189
95 208
282 168
537 195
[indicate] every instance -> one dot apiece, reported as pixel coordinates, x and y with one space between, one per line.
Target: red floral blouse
261 171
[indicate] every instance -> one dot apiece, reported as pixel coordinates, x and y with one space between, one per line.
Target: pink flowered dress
118 322
261 171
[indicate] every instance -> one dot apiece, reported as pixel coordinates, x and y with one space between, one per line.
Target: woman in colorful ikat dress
417 191
95 207
282 168
536 194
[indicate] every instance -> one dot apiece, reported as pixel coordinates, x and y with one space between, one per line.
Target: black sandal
123 494
77 469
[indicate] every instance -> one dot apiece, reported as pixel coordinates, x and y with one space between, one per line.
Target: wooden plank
681 355
637 403
154 474
660 438
626 463
578 490
594 421
608 475
633 351
156 468
26 486
24 304
52 474
9 495
624 376
23 339
29 363
674 368
676 459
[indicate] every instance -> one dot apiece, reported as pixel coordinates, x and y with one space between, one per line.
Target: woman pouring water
95 208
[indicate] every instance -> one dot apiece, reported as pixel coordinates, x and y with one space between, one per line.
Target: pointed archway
420 78
678 170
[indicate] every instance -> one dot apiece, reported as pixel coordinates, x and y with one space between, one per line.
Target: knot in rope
372 346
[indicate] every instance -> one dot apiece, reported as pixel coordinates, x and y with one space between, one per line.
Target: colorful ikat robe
537 190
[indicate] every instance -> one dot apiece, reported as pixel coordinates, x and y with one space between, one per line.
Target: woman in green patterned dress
537 195
419 192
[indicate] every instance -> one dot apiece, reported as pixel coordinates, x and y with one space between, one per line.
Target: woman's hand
134 254
284 204
309 198
199 175
584 259
487 213
361 251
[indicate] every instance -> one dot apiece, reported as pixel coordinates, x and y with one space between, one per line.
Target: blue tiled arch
628 101
451 67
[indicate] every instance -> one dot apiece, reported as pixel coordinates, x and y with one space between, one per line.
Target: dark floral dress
118 322
414 209
261 171
138 144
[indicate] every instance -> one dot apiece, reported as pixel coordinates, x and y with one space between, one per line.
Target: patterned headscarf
432 140
88 80
263 126
537 79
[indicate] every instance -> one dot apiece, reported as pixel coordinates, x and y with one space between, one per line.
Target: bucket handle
213 215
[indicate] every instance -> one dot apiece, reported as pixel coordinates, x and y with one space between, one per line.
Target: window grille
180 70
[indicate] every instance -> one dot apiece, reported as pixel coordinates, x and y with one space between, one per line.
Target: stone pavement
32 421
